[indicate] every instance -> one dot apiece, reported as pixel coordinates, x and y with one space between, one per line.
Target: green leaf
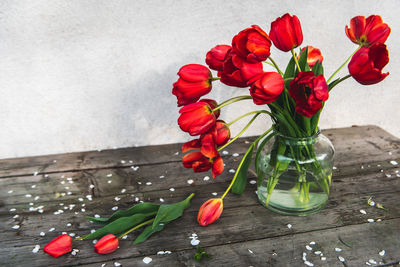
170 212
145 207
147 232
303 60
241 180
318 69
120 225
289 72
200 254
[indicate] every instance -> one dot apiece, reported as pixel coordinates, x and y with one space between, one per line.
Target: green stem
241 132
341 80
136 227
269 63
215 79
295 60
344 64
242 161
247 114
276 66
231 101
288 79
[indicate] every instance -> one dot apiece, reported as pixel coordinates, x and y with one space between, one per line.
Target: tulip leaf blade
303 60
170 212
332 84
144 207
289 72
318 69
120 225
241 180
147 232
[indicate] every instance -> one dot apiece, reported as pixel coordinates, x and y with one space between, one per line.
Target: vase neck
289 140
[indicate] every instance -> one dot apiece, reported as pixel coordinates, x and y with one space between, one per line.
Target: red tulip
210 211
313 55
267 88
222 133
191 145
252 44
308 92
194 82
213 104
200 163
286 32
367 63
216 56
237 72
59 246
106 245
367 32
196 118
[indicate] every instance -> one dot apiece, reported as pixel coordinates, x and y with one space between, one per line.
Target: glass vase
294 174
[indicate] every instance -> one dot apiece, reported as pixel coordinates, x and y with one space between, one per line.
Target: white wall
82 75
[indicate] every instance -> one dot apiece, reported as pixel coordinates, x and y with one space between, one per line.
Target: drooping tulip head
267 88
367 31
210 211
59 246
216 56
106 245
196 118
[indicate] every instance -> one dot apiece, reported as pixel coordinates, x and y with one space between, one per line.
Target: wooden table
247 234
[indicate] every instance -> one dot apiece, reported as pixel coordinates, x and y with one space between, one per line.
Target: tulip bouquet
294 97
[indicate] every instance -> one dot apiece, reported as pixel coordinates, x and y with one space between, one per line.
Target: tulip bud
106 244
210 211
313 55
216 56
59 246
286 32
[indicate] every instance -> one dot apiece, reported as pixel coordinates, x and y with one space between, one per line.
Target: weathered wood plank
366 140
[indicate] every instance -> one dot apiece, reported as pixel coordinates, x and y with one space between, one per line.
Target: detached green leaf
147 232
303 60
145 207
241 180
170 212
120 225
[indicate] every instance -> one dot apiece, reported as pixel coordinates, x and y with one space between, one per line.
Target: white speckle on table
125 237
323 258
382 253
160 252
194 242
42 234
135 168
83 210
304 256
253 182
225 152
334 168
123 161
13 209
92 231
72 234
289 226
109 175
109 181
317 252
74 251
116 264
16 227
308 247
10 192
177 153
28 195
371 220
393 162
338 249
36 198
372 261
147 260
308 263
33 186
35 173
123 190
148 183
117 198
114 208
36 249
341 259
312 243
232 171
250 251
162 177
388 175
190 181
363 212
91 186
235 154
172 189
69 224
80 199
15 216
206 178
214 193
161 199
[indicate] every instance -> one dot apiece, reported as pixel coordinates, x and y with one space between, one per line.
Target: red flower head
59 246
367 32
196 118
308 92
236 71
194 82
286 32
267 88
313 55
222 133
200 163
213 104
252 44
367 63
210 211
215 57
106 245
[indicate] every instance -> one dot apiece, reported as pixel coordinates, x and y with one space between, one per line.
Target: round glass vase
294 174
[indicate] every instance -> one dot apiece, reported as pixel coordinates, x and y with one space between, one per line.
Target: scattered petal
172 189
253 182
312 243
42 234
123 190
393 162
250 251
190 181
341 259
214 193
363 212
372 261
195 242
16 227
371 220
308 247
235 154
147 260
36 249
225 152
382 253
338 249
232 171
289 226
116 264
323 258
206 178
308 263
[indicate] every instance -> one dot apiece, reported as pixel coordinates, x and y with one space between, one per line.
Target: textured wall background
83 75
